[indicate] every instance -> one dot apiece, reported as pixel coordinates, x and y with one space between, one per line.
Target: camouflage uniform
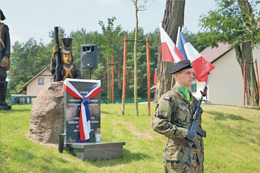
173 118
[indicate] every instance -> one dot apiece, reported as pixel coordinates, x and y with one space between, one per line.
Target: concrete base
94 151
5 107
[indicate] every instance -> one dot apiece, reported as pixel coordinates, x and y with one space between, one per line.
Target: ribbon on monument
84 118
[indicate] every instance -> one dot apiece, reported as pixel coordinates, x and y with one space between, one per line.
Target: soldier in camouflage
173 118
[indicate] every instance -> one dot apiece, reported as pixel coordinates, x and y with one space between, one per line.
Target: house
226 80
37 83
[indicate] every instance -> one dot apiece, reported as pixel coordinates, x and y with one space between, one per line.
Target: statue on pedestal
4 60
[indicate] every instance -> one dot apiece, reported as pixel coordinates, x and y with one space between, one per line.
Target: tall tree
173 18
111 42
235 22
39 56
135 57
31 52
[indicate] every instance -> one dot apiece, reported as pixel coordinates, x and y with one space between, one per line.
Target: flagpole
176 44
172 81
177 40
164 76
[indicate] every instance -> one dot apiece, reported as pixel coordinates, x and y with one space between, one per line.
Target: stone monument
82 134
47 120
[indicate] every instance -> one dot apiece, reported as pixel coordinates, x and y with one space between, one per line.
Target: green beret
181 65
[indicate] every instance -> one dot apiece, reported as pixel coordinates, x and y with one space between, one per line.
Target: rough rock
47 114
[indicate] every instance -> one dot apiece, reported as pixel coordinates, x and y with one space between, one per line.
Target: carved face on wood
66 58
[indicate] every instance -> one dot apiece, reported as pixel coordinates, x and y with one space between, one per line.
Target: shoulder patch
167 98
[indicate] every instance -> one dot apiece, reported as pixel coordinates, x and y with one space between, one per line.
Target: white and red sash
84 118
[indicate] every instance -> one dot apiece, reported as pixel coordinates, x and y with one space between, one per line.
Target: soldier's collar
178 91
186 92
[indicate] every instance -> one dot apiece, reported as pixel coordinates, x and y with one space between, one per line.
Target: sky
36 18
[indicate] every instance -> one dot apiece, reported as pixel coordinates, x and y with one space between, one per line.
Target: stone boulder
47 114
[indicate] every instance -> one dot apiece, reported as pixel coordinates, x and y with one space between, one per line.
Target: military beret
2 16
181 65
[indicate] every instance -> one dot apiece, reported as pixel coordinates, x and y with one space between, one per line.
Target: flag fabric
170 53
200 65
84 118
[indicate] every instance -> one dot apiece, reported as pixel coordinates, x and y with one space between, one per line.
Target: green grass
232 143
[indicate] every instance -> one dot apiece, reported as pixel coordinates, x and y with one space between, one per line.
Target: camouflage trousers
181 167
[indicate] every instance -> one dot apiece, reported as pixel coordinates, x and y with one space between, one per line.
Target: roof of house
27 83
212 54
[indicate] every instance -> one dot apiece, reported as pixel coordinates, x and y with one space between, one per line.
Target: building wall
200 86
33 88
226 80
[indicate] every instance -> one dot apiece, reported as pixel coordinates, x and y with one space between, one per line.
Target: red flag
200 65
170 52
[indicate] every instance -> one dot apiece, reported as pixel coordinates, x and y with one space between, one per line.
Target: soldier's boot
3 86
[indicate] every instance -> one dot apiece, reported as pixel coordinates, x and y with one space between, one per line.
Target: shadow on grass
21 110
254 108
13 111
105 112
222 117
30 161
127 158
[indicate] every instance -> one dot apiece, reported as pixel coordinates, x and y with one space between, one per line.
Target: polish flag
200 65
170 53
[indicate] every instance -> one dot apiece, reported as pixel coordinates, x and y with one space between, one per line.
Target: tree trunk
135 59
173 18
245 53
119 72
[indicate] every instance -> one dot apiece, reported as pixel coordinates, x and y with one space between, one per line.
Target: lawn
232 143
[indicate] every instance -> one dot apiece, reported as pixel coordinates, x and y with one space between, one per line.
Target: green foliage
111 38
236 23
143 6
232 143
27 59
111 41
194 40
229 24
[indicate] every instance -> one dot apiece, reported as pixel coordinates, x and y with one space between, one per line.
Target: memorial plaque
75 90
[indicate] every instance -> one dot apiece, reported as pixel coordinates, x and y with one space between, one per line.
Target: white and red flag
170 53
200 65
84 118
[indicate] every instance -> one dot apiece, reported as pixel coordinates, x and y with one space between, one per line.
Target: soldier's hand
191 136
4 62
55 48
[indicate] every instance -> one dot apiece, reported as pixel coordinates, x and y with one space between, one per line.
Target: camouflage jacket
173 118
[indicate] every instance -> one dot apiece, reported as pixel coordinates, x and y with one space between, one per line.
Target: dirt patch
130 127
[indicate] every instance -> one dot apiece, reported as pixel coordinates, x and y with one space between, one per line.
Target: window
40 81
194 88
51 80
